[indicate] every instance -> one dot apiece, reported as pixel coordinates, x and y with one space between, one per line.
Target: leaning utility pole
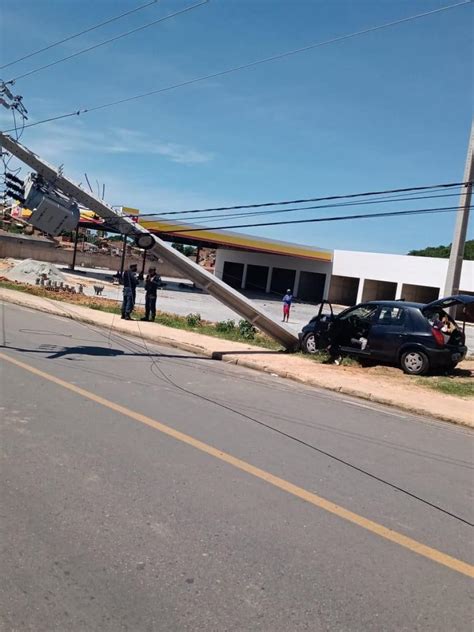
453 276
208 282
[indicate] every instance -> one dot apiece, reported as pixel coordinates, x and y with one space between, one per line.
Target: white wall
399 269
425 271
272 261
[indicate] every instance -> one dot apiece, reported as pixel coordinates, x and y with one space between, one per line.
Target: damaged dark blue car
417 337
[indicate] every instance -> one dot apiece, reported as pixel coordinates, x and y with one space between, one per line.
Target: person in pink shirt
287 301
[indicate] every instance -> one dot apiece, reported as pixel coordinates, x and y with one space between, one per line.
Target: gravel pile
29 270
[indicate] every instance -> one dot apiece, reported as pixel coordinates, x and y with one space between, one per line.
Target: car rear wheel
415 362
310 344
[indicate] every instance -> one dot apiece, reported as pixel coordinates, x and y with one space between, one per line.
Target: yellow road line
280 483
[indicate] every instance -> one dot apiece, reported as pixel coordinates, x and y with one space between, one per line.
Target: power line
315 448
308 208
180 228
249 65
108 41
159 216
70 37
135 347
327 198
420 211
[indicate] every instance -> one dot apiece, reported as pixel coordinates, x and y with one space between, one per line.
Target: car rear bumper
447 356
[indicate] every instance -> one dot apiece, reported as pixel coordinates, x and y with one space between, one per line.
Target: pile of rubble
207 258
59 286
29 270
43 274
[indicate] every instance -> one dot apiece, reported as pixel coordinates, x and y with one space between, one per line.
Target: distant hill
443 251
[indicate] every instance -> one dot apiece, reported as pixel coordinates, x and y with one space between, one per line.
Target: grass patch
459 387
350 361
240 332
323 357
236 333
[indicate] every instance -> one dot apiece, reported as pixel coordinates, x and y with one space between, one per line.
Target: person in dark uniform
130 282
152 283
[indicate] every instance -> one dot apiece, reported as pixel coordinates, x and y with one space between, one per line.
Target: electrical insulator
14 187
12 178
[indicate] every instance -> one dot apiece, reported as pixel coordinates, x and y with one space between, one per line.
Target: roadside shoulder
347 380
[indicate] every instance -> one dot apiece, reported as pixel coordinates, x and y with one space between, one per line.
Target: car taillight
438 336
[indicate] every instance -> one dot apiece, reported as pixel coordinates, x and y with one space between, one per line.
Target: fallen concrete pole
208 282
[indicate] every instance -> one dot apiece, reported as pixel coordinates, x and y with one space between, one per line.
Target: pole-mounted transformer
52 212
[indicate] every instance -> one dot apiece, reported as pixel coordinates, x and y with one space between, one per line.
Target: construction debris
29 271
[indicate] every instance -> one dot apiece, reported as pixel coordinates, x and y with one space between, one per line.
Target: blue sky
385 110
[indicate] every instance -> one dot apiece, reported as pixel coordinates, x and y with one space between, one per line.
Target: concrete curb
352 392
59 308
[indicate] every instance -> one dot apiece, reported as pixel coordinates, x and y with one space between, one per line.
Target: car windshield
363 312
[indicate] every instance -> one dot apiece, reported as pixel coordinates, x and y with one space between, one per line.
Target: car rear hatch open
447 302
450 301
466 300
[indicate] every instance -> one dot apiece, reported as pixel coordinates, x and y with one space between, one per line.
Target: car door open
387 332
351 330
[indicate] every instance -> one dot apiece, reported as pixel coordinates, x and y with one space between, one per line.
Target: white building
344 277
351 276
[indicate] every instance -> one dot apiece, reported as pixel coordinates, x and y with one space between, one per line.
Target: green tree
443 252
187 251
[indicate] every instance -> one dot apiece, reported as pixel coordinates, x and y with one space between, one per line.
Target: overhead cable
70 37
108 41
326 198
250 64
245 214
338 218
138 349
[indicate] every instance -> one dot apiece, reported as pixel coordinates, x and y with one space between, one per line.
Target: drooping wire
307 208
180 227
164 377
337 218
328 198
176 229
252 64
70 37
108 41
112 222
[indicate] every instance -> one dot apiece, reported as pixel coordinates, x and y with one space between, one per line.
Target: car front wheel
310 344
415 363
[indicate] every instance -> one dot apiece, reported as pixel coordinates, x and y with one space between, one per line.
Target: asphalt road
145 489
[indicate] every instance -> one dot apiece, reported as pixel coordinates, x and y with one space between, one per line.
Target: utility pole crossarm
214 286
